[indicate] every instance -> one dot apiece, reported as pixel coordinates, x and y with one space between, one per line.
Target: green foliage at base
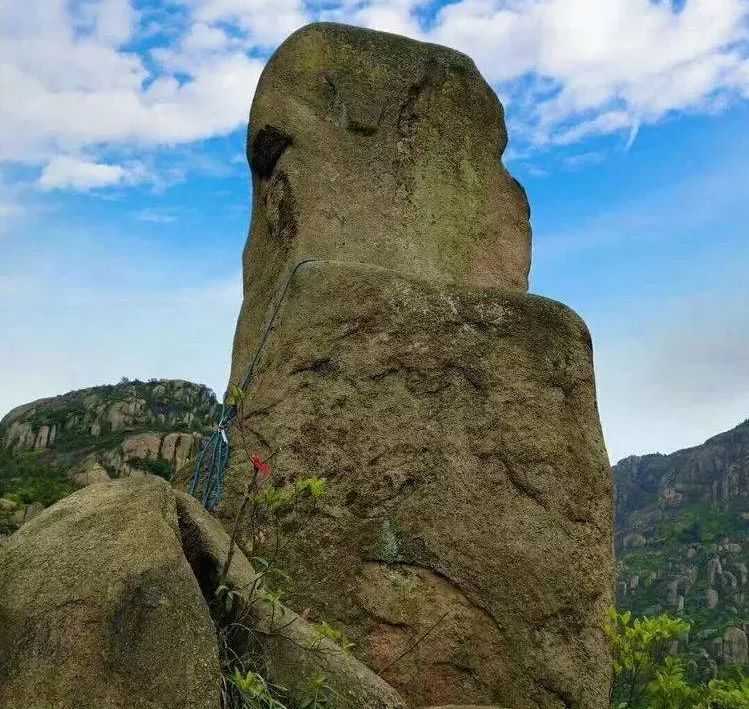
646 676
251 690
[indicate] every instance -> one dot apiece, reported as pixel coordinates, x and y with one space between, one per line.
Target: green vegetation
272 511
337 636
275 515
155 467
26 478
255 692
702 522
683 539
80 424
647 676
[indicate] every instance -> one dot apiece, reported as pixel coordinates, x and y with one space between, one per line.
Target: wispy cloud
669 212
106 330
609 64
680 375
155 216
8 211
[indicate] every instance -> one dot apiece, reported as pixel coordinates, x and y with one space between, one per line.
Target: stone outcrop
108 599
93 412
735 647
469 515
100 608
716 472
89 472
291 649
96 434
686 512
13 514
129 458
370 148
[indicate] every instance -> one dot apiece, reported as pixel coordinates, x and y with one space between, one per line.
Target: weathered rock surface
100 608
108 599
289 648
735 647
372 148
466 544
470 489
715 472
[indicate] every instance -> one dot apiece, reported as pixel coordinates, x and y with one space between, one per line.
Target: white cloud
112 21
263 23
155 216
397 16
638 59
66 90
74 173
72 80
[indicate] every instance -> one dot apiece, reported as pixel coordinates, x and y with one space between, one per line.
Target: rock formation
99 607
683 518
50 447
466 543
369 148
108 599
735 647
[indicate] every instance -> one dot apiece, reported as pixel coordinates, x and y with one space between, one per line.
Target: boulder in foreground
100 608
108 599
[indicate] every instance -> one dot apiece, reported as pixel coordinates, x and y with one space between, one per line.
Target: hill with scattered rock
50 447
682 543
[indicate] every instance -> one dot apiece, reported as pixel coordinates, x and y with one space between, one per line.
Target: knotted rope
213 460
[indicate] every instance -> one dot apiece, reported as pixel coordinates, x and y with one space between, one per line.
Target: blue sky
124 194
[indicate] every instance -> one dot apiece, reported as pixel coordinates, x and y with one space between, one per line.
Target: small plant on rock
317 694
254 692
272 511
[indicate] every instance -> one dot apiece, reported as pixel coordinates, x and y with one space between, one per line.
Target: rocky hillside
52 446
682 542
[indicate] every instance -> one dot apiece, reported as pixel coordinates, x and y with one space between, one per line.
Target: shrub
647 677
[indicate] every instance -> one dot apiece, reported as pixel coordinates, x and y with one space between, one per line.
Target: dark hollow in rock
267 147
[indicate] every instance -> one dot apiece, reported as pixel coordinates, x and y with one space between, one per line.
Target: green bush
646 676
155 467
25 478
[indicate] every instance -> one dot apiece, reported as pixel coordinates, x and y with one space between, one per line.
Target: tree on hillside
646 676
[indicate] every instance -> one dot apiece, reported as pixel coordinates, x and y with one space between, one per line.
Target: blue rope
213 460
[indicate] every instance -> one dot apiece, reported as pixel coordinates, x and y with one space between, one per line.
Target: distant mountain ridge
52 446
682 542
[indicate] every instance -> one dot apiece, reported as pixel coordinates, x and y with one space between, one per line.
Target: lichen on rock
453 414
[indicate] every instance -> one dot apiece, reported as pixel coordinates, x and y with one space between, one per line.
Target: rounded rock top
373 148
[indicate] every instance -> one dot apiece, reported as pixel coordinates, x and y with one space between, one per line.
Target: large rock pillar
372 148
470 508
